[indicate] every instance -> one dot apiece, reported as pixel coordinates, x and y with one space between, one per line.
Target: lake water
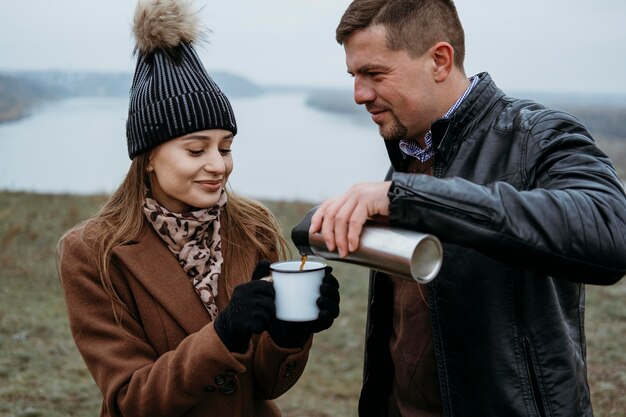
284 149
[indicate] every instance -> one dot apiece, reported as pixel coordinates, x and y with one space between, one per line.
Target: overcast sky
532 45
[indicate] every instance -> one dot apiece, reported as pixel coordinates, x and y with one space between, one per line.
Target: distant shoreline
603 114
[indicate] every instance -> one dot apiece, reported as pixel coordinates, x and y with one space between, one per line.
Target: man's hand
340 219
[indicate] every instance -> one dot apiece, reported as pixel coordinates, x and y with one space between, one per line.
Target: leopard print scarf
194 238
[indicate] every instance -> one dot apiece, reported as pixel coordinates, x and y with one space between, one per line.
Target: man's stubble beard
396 131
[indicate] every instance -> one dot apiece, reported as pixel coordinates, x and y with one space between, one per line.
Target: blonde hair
121 220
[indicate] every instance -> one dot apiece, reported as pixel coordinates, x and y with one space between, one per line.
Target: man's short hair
411 25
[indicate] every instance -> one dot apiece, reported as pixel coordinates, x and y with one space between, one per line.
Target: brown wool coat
166 359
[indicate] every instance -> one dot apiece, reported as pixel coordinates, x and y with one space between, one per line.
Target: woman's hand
250 311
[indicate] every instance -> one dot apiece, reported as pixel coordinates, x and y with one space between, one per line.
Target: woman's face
189 172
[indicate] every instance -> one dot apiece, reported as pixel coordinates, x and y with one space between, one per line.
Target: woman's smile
209 185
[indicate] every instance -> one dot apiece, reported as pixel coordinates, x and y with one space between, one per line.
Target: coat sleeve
569 220
277 369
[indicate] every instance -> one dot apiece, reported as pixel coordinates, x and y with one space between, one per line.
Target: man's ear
443 58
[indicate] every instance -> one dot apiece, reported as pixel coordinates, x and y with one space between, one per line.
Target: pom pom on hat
163 24
171 94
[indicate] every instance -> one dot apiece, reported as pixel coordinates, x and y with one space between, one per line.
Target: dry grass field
42 374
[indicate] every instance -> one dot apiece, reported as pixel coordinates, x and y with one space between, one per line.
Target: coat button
209 388
229 387
220 379
291 366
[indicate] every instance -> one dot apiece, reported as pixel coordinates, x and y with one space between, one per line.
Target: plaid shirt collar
410 147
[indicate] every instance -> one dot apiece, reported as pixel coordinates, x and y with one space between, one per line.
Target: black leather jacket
529 210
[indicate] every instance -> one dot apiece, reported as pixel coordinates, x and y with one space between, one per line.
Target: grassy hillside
42 374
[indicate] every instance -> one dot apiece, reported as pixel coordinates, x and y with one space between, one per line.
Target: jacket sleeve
569 219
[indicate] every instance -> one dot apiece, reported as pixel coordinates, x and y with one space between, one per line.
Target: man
528 208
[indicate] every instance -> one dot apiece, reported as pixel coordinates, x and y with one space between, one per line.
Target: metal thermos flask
393 250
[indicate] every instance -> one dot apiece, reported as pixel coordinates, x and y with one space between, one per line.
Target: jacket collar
445 132
156 268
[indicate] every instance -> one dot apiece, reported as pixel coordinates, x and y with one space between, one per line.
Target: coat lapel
157 269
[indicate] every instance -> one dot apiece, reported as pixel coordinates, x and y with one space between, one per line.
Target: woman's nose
214 162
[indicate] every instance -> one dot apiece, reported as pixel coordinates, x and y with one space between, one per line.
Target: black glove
251 310
290 334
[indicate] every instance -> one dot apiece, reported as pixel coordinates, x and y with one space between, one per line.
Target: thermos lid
300 234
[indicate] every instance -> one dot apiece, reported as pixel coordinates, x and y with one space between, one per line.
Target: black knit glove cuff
235 342
289 334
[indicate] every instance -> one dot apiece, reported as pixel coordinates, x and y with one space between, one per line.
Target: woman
158 284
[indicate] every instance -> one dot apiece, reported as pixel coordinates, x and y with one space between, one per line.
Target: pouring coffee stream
403 252
303 261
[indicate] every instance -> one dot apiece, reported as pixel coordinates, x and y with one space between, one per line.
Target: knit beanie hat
172 94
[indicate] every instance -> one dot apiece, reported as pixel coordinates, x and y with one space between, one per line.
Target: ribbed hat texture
172 94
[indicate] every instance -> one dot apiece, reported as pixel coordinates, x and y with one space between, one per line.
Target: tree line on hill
17 97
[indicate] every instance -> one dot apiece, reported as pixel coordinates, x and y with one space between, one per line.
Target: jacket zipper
534 381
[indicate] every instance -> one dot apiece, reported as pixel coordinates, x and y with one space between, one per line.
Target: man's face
398 90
